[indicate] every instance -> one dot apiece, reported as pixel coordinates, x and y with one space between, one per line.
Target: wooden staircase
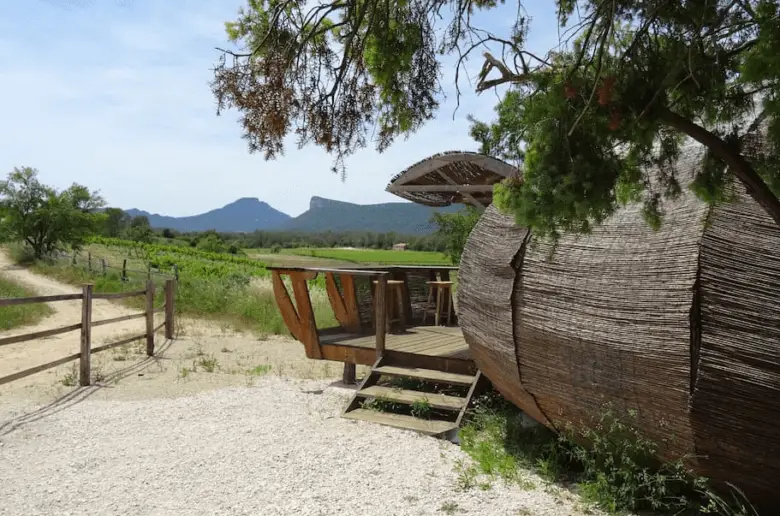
429 401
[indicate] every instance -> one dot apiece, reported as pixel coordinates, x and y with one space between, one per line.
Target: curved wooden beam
344 305
306 323
286 307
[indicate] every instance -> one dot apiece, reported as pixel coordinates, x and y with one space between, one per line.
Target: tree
211 242
615 98
115 222
140 230
44 219
455 229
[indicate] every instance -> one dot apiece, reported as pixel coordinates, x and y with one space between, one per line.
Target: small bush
71 378
208 363
260 370
421 408
21 254
609 460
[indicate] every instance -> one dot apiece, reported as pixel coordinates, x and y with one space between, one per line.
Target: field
335 256
235 289
20 315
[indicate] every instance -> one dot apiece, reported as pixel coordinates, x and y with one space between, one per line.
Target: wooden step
428 427
437 401
426 374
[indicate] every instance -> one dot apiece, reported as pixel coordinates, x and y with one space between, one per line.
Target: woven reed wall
682 325
736 403
607 319
486 280
416 285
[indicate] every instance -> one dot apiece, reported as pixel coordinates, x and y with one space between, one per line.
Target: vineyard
375 256
188 260
233 287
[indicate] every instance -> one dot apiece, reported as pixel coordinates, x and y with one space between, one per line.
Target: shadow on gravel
80 394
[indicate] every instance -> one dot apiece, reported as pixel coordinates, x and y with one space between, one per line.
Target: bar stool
395 299
441 287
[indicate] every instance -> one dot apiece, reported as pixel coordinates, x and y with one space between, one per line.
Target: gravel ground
259 432
277 448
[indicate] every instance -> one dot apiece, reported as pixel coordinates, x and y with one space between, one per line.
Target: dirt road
17 357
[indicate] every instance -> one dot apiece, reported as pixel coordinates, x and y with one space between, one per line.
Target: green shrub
608 459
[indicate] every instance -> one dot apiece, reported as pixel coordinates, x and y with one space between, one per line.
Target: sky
114 95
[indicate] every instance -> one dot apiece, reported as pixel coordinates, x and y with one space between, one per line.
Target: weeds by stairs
429 401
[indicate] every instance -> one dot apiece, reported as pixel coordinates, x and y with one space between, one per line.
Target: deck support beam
380 315
349 376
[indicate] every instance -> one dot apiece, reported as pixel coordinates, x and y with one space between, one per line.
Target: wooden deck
435 341
435 358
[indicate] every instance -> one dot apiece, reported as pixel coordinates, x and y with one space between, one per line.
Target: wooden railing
299 317
84 355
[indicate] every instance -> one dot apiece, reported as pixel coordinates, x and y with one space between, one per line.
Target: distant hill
401 217
243 215
247 215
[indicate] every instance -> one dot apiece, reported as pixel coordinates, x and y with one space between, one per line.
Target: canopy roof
451 177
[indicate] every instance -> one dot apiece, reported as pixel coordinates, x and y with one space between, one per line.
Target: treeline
46 220
360 239
118 224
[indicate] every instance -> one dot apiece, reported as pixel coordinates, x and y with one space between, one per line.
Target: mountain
247 215
243 215
405 218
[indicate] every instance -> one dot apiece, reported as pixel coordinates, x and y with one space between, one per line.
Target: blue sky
113 94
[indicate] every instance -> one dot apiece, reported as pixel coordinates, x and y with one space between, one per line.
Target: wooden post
380 314
103 264
150 318
124 269
86 335
169 307
74 257
348 378
149 271
89 262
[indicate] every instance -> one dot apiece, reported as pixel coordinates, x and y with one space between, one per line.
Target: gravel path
278 448
253 435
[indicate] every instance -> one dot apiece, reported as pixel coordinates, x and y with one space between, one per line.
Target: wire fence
100 265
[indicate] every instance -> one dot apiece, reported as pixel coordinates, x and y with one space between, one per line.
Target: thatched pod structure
452 177
681 324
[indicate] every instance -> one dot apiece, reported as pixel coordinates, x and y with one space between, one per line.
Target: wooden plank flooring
438 341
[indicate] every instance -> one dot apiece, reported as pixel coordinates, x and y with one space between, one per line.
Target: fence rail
84 355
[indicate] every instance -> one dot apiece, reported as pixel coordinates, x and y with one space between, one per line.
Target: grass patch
20 315
230 298
449 508
71 378
375 256
421 408
617 470
259 370
208 363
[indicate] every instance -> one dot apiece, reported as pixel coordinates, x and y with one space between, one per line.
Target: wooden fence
87 296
